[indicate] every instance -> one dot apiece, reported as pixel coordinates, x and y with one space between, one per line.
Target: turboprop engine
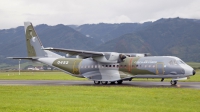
113 57
137 54
110 57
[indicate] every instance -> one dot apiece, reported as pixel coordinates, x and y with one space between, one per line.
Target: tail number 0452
62 62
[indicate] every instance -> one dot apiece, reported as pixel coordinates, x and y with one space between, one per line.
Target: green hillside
173 36
170 37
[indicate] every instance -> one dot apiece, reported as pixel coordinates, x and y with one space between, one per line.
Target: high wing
82 53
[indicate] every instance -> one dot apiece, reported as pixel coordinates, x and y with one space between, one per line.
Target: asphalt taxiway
194 85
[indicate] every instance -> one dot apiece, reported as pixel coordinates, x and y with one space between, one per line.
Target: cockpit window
173 62
180 62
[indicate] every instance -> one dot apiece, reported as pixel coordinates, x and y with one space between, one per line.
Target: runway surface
194 85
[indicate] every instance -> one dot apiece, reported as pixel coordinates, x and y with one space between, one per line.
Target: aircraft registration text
63 62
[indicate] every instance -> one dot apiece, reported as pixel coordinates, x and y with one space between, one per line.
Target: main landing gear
96 82
173 82
106 82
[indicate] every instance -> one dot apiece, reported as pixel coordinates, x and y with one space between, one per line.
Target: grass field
97 99
63 76
93 98
194 64
37 76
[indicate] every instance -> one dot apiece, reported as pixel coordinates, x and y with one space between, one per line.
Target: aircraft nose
194 72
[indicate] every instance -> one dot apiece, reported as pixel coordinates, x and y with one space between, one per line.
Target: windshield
176 62
180 62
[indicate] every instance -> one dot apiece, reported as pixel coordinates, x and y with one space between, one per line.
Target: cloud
52 12
119 19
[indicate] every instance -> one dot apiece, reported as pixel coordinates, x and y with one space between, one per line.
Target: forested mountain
176 37
104 32
173 36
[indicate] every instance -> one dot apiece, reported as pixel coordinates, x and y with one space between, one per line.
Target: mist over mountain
174 36
104 32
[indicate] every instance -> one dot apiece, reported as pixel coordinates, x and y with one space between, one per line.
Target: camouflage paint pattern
106 67
130 67
30 32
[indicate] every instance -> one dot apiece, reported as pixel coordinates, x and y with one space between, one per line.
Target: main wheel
173 82
96 82
104 82
120 81
112 82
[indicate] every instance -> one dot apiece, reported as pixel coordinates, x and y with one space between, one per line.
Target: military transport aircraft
104 67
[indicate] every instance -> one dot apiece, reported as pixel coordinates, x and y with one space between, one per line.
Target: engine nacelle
110 57
137 54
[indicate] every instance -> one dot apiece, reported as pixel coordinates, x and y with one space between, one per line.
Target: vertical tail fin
33 43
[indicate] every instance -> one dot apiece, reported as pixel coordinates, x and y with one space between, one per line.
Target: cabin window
113 65
106 65
136 65
117 66
124 66
110 65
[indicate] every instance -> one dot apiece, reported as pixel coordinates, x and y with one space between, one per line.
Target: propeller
121 58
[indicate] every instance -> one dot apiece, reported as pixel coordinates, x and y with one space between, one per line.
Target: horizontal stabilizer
28 58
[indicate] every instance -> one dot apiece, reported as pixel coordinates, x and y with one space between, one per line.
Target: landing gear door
160 69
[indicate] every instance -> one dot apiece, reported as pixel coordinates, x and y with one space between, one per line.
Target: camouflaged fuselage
104 66
130 67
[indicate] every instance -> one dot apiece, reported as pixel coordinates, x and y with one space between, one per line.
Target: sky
52 12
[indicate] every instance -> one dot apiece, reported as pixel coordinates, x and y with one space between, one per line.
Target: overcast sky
14 12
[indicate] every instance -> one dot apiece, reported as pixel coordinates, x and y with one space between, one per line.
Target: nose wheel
173 82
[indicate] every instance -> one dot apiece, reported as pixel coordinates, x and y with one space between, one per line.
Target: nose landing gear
173 82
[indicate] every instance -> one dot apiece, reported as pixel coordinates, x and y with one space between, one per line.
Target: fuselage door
75 69
159 68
